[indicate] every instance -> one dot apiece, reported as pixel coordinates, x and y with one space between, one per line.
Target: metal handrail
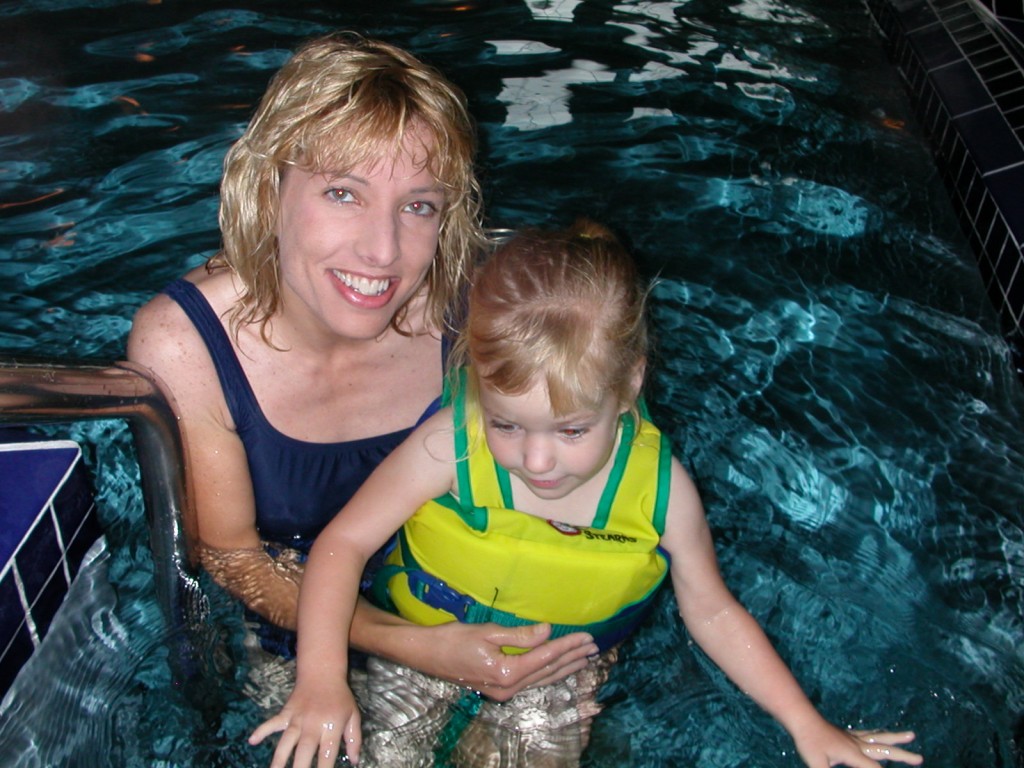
52 392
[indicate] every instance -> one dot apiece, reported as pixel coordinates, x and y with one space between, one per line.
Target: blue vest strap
437 594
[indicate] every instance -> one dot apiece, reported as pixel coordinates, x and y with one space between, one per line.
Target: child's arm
320 719
736 643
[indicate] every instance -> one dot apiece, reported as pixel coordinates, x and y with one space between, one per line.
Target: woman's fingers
546 662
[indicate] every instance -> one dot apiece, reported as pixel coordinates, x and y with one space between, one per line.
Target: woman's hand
471 654
319 721
828 745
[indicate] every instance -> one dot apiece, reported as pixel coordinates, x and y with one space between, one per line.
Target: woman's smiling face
355 247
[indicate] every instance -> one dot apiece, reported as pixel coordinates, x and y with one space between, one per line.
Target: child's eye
503 426
573 433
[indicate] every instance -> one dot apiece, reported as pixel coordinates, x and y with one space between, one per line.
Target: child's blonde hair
339 101
564 307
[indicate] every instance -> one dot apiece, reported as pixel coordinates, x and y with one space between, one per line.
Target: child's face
552 455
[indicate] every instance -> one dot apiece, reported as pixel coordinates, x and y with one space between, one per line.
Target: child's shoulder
435 437
443 418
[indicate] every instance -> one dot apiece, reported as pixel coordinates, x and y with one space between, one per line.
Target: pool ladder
53 393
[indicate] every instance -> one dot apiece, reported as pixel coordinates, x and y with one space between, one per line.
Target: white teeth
363 285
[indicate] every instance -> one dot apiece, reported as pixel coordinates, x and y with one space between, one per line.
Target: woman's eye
340 195
422 208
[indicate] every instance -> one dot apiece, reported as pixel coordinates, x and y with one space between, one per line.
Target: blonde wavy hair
342 100
565 307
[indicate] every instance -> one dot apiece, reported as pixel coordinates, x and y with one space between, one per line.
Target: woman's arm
165 341
736 643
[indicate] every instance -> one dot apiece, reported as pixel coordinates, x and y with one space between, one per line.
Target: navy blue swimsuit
299 486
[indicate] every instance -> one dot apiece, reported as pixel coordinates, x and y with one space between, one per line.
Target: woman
311 344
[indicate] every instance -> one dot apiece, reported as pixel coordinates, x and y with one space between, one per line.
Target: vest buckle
437 594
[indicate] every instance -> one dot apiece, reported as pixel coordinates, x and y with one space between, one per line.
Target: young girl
540 495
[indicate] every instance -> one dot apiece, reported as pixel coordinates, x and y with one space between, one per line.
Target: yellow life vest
477 559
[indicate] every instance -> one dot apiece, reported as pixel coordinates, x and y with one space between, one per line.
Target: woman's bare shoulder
164 339
160 328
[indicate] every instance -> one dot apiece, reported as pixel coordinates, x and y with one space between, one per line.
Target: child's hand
831 746
318 722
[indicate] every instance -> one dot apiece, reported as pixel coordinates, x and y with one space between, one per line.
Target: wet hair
565 307
340 101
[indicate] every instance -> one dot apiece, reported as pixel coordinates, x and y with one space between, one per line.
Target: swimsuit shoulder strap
238 394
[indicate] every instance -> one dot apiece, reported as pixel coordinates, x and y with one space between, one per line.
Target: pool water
828 365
